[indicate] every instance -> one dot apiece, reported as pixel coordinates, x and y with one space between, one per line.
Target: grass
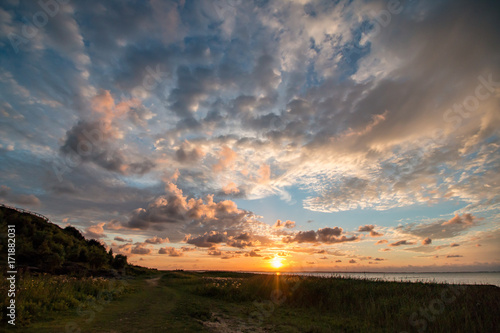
43 296
180 301
343 304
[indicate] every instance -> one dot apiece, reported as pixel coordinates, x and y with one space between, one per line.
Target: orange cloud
171 251
370 228
95 231
226 156
264 174
426 241
287 224
230 188
103 102
402 242
465 219
157 240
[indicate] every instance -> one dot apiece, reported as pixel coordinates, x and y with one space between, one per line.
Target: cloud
95 138
207 240
324 235
465 219
454 256
188 154
382 241
113 225
440 229
166 15
193 86
90 142
264 174
230 188
140 249
214 252
29 200
18 199
426 241
301 237
175 208
424 248
287 224
252 253
243 240
369 228
333 235
352 261
402 242
171 251
454 245
230 256
95 231
125 248
226 158
121 239
157 240
4 190
212 238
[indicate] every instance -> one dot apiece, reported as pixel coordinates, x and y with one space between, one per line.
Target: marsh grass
43 296
366 305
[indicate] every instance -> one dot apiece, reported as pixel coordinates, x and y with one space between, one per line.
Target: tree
110 256
52 262
97 257
120 261
73 232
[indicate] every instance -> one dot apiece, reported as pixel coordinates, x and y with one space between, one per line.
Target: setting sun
276 262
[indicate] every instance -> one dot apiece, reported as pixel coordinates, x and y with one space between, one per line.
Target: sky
258 135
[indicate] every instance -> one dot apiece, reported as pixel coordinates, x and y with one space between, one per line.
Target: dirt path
154 281
147 310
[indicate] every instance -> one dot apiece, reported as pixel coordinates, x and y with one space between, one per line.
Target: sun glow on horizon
276 262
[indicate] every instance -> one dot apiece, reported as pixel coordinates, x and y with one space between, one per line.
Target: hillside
42 246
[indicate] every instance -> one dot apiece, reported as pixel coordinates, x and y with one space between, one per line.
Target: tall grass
393 306
40 296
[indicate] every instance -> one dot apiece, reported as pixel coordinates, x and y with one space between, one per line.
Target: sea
487 278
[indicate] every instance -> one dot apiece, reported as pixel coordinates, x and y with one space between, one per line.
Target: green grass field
238 302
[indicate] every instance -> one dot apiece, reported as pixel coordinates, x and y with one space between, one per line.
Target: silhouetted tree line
44 246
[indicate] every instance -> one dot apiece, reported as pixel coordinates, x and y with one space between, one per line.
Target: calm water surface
492 278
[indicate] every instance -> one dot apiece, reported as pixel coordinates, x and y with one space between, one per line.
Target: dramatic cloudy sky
229 134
